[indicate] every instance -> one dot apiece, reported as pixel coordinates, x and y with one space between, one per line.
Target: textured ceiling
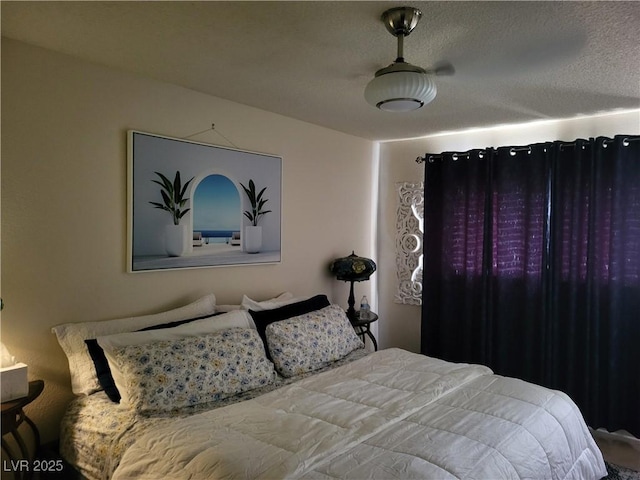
514 61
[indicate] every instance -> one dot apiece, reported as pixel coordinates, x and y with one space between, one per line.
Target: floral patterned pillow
311 341
170 374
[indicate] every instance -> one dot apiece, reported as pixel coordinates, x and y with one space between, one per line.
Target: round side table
12 417
363 327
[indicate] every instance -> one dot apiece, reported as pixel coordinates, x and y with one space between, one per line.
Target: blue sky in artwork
216 204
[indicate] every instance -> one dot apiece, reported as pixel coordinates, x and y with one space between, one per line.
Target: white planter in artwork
175 240
252 239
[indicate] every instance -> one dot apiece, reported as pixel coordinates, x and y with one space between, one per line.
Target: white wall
64 238
399 325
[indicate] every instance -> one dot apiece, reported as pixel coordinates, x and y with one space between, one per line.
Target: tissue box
13 382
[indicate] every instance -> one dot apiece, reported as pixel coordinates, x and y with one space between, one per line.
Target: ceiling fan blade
441 68
529 53
505 98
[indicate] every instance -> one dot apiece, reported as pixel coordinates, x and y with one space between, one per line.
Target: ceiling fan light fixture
400 91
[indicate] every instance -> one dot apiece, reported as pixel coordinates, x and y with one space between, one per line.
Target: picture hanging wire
213 128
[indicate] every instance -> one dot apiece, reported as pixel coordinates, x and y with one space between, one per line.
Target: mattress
391 414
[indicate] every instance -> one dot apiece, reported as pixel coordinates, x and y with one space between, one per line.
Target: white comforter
392 414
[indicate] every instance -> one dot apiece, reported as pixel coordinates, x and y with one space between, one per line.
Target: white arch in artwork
194 186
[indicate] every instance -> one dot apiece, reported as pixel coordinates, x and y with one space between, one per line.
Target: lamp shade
399 89
352 268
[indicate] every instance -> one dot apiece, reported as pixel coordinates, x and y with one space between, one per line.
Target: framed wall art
195 205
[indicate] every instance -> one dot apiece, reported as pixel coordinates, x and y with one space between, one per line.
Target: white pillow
282 299
233 319
227 308
197 328
71 337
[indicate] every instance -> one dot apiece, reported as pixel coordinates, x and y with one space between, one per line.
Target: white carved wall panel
409 230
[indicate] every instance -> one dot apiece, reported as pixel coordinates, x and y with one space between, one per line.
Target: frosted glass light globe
400 91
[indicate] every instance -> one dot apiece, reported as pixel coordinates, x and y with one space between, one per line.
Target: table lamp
352 269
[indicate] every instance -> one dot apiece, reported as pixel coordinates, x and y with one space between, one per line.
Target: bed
285 389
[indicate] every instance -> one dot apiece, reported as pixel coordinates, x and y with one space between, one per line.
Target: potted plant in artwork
253 232
173 201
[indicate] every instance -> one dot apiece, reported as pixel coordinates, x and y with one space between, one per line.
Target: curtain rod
430 157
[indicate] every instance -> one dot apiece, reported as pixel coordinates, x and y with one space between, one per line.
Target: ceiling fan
402 87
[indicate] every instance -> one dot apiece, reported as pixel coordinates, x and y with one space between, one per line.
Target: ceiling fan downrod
400 22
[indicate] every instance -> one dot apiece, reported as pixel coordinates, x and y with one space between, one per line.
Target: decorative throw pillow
178 329
311 341
263 318
71 337
171 374
110 375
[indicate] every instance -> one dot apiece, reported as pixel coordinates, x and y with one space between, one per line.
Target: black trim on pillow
101 364
103 371
263 318
177 323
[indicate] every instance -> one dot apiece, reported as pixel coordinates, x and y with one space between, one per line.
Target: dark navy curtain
532 267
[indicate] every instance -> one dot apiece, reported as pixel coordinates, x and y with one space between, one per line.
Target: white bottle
365 309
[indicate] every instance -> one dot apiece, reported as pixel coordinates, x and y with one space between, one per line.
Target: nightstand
363 327
12 417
